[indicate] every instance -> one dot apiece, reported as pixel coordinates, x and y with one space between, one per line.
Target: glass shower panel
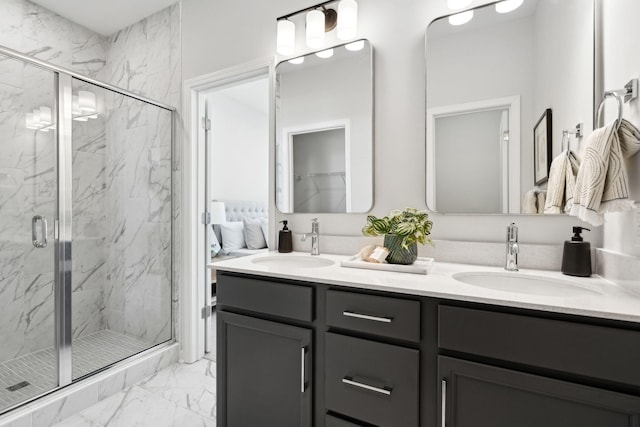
121 270
28 193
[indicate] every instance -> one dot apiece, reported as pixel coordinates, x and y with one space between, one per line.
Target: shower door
28 206
83 166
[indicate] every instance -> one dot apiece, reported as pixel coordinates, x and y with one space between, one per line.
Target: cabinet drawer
370 381
385 316
337 422
595 351
262 296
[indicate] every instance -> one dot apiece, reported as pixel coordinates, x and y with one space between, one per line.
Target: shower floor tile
90 353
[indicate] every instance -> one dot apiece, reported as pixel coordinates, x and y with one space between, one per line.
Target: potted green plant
402 231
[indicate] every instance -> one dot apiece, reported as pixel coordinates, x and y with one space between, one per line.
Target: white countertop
608 300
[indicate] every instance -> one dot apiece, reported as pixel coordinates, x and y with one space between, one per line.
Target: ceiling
105 17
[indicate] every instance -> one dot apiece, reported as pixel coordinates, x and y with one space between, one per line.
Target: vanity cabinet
527 370
293 353
264 367
481 395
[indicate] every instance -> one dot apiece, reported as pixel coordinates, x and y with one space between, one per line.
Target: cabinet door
477 395
264 373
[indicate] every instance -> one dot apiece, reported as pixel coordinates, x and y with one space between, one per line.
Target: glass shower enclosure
85 226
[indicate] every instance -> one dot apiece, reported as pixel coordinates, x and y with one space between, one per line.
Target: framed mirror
489 82
324 131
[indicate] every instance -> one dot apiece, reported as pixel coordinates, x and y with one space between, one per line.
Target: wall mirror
324 131
492 82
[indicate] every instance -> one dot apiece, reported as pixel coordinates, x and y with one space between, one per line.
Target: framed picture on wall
542 148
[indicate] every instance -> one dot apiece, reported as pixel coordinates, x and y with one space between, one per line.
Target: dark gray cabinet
264 373
479 395
299 354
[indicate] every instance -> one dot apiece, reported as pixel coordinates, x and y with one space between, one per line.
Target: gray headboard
237 210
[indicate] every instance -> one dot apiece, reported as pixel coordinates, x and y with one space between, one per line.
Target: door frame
512 104
192 292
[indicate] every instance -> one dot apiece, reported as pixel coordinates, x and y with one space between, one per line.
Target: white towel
562 183
530 202
602 184
533 201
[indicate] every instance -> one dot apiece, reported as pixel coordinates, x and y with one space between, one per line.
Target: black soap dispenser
576 257
285 240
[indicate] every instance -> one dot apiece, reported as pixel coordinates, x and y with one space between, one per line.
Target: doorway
230 185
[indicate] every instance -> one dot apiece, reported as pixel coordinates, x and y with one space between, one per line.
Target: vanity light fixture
319 19
286 37
297 61
355 46
84 106
461 18
458 4
347 19
40 119
507 6
315 29
324 54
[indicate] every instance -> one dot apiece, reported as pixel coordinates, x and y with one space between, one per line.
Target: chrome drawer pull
384 391
444 404
302 360
367 317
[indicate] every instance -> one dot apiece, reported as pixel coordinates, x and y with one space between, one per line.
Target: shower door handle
34 231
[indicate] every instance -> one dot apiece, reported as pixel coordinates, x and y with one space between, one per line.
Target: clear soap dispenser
576 257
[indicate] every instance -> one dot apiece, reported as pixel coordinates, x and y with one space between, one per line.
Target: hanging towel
541 200
530 202
602 184
562 183
533 201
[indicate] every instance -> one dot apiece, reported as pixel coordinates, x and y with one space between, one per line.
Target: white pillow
264 224
232 236
253 234
215 243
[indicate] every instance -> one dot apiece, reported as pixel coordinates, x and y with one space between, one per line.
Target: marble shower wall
143 58
28 180
122 173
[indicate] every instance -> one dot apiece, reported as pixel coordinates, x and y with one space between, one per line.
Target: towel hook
628 93
566 136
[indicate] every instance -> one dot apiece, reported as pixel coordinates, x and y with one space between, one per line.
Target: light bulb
458 4
508 6
297 61
87 101
45 116
315 29
324 54
347 19
355 46
286 37
461 18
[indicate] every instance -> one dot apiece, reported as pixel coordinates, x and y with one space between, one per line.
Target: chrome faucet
512 248
315 237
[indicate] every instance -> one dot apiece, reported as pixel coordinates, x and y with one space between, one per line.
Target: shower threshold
33 374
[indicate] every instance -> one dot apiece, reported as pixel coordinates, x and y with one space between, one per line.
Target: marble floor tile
192 387
136 407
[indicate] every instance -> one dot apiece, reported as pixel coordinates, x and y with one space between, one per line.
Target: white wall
621 52
564 69
219 35
239 149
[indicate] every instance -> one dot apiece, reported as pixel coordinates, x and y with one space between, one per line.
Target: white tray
421 266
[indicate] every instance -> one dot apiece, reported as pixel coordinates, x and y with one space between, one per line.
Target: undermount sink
290 261
524 284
